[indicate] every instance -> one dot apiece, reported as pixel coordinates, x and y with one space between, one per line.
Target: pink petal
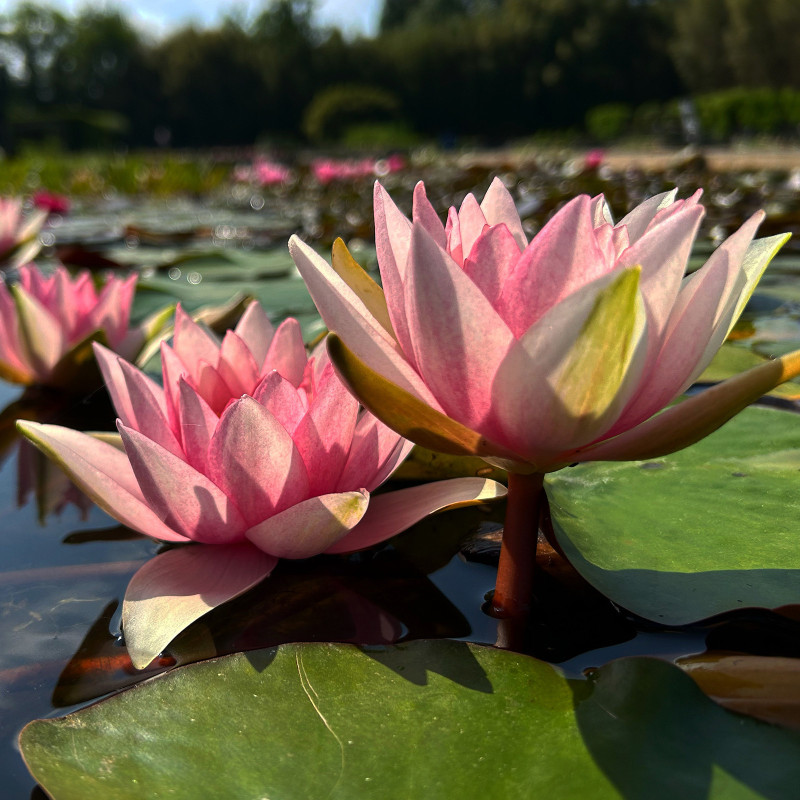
41 336
112 311
491 261
600 212
182 497
10 346
214 390
663 252
425 215
560 259
471 223
392 243
499 209
282 400
375 452
237 367
254 460
172 370
325 433
453 233
640 217
459 339
256 331
287 352
104 473
175 588
311 526
391 513
343 312
193 344
197 423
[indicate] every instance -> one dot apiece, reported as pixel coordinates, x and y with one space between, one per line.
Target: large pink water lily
47 324
19 234
536 355
250 446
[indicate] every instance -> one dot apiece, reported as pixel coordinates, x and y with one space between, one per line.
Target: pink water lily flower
47 323
532 354
19 240
538 354
250 446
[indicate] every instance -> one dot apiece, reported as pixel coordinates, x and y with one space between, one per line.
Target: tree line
487 69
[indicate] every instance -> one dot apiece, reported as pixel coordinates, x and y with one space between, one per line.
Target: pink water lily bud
251 446
19 234
47 323
538 354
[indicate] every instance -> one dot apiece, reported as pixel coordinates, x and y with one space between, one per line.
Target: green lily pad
436 719
706 530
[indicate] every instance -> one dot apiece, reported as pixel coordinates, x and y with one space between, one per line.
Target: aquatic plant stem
514 589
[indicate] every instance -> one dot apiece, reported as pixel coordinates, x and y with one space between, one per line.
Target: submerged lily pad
434 719
706 530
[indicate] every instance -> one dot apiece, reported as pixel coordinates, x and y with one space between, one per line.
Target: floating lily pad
703 531
434 719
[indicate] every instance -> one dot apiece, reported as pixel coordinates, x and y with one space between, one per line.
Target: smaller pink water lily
327 170
47 324
263 172
19 235
253 450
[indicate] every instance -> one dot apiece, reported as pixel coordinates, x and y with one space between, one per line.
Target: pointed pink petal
459 339
391 513
138 400
193 344
600 212
499 209
104 473
560 259
172 370
65 308
182 497
287 352
175 588
640 217
343 312
254 460
375 452
256 331
491 261
211 387
311 526
392 244
663 252
237 367
41 336
282 400
471 224
425 215
113 309
453 232
197 423
325 433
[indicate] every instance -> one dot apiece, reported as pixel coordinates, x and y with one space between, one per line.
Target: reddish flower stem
514 590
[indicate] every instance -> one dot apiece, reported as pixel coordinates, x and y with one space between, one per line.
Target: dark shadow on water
656 736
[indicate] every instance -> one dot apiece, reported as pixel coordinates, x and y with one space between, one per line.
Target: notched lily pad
434 719
713 530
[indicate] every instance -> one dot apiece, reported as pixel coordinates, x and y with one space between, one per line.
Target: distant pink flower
45 318
250 446
51 202
593 159
328 170
263 172
19 240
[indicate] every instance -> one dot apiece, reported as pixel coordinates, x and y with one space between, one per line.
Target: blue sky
158 16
